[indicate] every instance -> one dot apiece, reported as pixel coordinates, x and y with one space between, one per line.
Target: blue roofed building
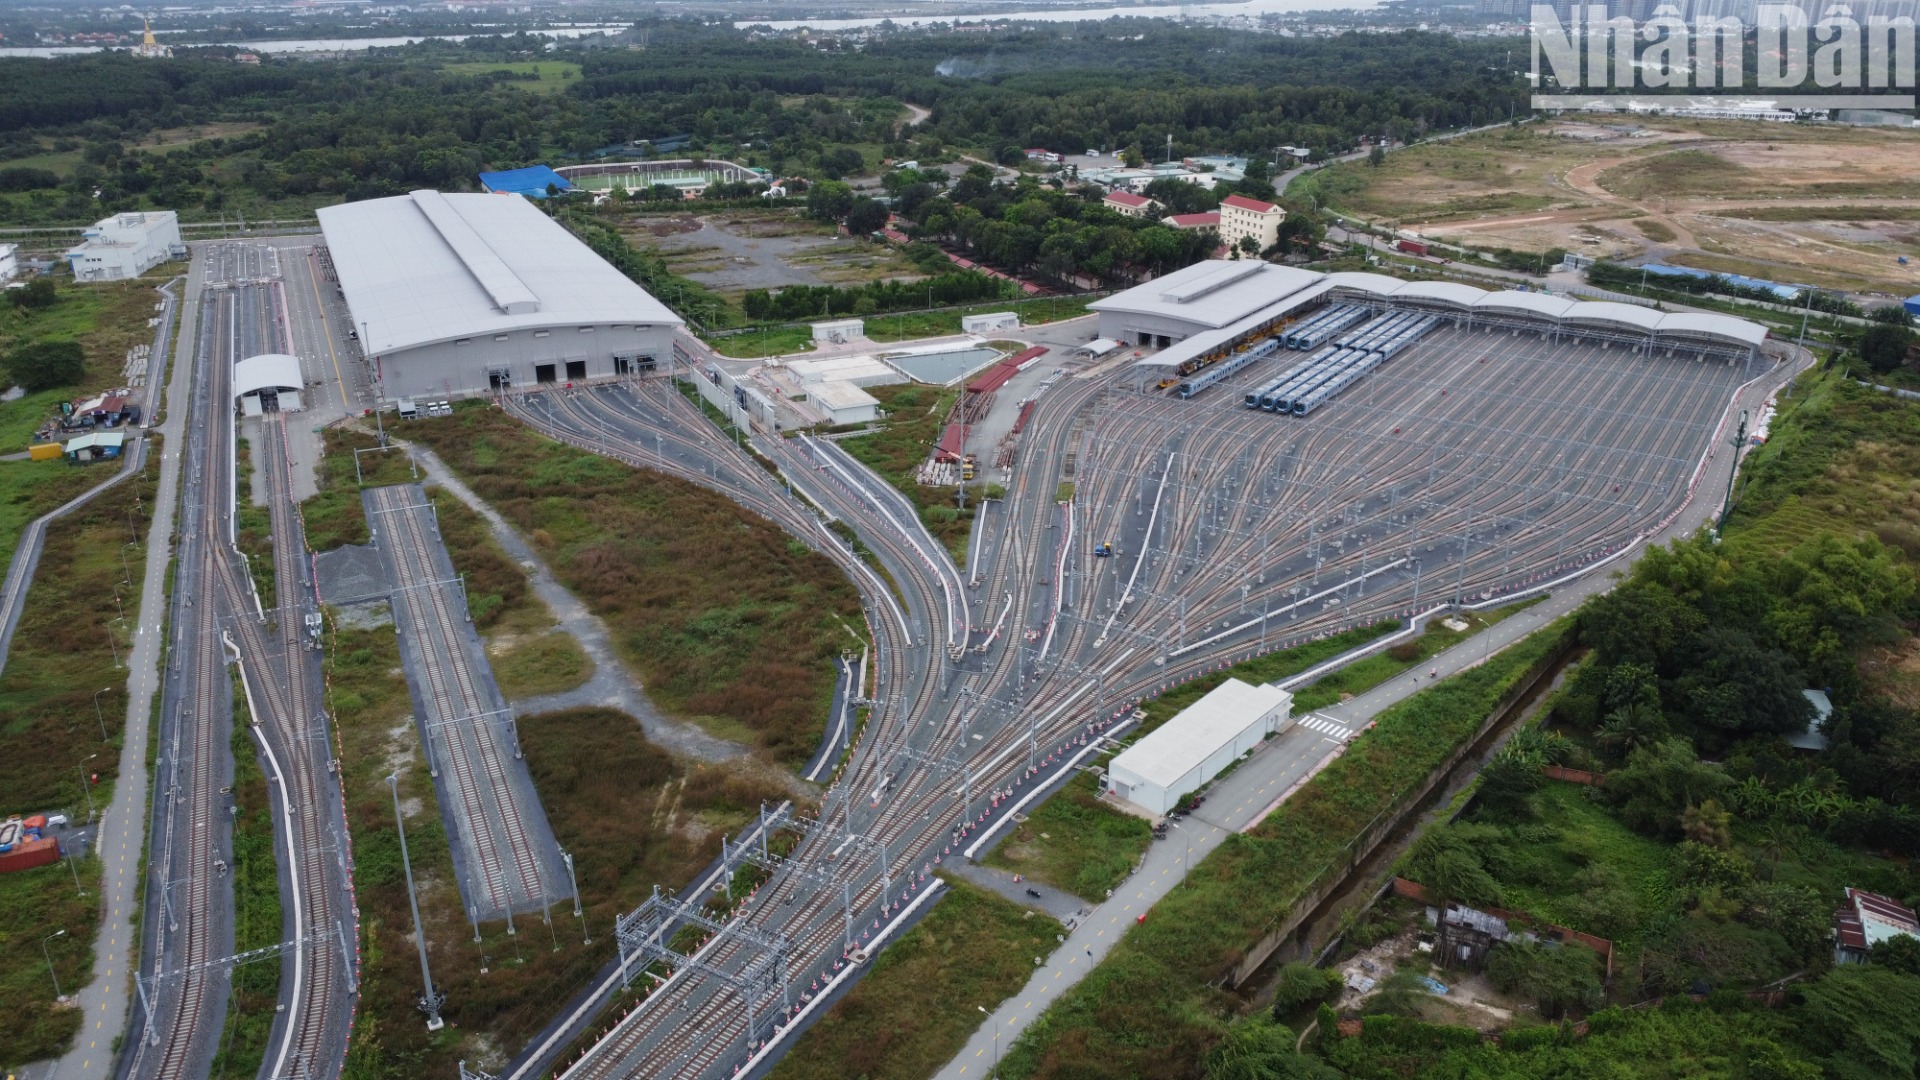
531 181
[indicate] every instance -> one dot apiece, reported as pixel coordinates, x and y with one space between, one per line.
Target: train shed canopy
269 382
1212 306
425 268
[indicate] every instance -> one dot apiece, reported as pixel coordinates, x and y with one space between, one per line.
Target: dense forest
378 124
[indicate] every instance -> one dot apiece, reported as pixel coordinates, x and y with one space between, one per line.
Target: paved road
123 827
1257 787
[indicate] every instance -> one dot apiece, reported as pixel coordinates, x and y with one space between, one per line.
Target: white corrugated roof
1608 311
426 267
1448 292
1172 750
858 366
1525 303
268 371
1212 292
1707 322
1361 281
1207 340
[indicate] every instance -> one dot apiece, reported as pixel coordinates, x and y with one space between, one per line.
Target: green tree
1657 783
36 295
1377 156
1256 1048
1867 1021
1132 157
1884 346
44 365
1301 984
1900 953
866 216
1558 978
830 200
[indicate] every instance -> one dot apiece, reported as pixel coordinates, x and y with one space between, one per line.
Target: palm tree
1634 726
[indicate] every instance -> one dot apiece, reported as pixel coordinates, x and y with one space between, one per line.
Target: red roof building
1126 202
1208 220
1866 920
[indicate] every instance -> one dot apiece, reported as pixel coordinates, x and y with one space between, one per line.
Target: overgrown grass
921 324
49 736
528 653
915 1009
33 904
1840 458
1368 672
724 619
916 413
333 516
253 525
1075 842
1148 1009
256 909
778 341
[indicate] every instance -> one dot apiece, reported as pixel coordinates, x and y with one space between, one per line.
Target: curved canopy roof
1445 292
268 371
1216 277
1710 324
1525 303
1607 311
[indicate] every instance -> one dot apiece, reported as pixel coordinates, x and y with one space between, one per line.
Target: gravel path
612 685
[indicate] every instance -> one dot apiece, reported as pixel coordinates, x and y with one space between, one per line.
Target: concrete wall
1125 327
449 369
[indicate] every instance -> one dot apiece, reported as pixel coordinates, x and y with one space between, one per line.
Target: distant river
1164 11
330 44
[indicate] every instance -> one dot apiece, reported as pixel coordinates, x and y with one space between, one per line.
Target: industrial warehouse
469 294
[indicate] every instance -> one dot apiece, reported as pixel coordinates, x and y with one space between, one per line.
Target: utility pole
1733 474
431 1001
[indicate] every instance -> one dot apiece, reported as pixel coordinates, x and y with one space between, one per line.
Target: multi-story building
126 246
1242 217
1126 202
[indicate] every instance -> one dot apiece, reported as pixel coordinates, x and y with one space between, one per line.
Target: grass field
537 76
49 735
915 1009
915 415
779 341
727 620
256 909
1075 842
938 323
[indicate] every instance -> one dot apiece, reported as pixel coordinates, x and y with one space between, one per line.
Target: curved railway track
1454 474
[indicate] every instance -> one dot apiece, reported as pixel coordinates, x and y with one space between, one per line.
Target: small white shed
845 403
839 331
1196 745
990 322
269 382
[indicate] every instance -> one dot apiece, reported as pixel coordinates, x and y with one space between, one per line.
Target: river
328 44
1252 8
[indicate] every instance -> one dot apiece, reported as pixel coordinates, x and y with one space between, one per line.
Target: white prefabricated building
1197 744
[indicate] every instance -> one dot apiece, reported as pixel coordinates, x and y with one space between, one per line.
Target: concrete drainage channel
1366 878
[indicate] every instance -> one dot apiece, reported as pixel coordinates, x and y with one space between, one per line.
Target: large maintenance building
473 294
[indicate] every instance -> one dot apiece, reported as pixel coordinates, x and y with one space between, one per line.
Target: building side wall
1127 327
450 369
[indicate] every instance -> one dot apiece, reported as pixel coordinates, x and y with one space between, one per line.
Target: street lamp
126 570
50 972
996 1040
431 1001
86 787
97 714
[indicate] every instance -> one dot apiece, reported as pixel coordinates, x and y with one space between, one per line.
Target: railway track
1442 479
466 726
218 618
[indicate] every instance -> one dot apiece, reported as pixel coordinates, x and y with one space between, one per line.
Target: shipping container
46 451
1412 247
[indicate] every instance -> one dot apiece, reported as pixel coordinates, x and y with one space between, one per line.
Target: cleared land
734 251
538 76
1826 205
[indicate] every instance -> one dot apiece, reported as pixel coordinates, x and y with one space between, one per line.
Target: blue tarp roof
1784 292
531 181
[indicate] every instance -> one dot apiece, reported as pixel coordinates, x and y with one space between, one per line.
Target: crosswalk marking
1325 726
